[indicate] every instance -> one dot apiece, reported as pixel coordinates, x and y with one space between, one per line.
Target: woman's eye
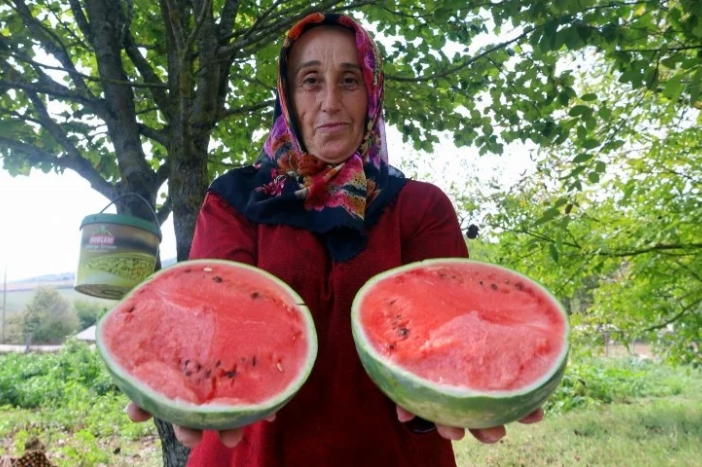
310 80
351 80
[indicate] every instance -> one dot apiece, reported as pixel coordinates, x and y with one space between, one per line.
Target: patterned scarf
288 186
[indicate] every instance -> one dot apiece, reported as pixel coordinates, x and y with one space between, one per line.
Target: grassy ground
642 432
656 422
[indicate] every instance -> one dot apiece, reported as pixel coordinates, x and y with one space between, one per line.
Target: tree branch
81 166
465 64
52 45
247 109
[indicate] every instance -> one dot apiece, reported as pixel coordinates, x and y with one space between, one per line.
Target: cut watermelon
461 342
209 344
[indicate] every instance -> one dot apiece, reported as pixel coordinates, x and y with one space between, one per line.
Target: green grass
653 430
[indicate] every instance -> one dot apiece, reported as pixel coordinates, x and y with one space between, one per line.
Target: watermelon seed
280 367
207 374
219 362
403 331
188 373
480 282
187 362
207 269
198 367
131 309
255 295
519 286
187 270
493 286
392 301
217 279
253 361
391 347
231 374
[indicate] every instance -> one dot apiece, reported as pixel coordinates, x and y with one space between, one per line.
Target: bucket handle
158 224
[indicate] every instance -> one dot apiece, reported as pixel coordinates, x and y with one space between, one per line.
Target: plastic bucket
117 252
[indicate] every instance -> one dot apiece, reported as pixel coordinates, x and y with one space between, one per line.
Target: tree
48 318
88 312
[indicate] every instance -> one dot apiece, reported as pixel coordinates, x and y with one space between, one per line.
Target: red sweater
338 418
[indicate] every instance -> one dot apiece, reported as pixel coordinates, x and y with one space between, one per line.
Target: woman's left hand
484 435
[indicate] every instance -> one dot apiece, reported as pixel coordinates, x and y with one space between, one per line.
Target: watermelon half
209 344
460 342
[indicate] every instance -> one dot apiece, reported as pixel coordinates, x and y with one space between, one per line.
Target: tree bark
174 453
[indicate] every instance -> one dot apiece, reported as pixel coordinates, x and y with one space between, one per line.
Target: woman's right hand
189 437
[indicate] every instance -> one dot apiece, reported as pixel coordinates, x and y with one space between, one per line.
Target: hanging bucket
117 252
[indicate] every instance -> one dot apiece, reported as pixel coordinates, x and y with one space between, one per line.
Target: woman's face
329 97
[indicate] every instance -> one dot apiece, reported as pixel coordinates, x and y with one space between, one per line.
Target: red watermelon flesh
205 335
477 328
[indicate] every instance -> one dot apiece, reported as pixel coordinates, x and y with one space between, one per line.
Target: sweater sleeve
222 233
436 232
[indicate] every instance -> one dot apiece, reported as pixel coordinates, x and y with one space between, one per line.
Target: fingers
231 438
489 435
450 432
135 413
536 416
187 436
403 415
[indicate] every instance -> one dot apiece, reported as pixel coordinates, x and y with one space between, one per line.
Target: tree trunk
174 453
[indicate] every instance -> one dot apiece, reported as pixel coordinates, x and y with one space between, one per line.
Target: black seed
519 286
217 279
198 367
480 282
131 309
393 301
230 374
186 362
188 373
253 361
391 347
255 295
219 362
403 331
493 286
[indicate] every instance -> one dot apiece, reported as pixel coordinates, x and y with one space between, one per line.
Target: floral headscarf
287 185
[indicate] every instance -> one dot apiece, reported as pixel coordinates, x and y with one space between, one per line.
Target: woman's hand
484 435
189 437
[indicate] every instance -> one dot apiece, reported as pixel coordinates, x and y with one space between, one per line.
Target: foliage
49 380
48 318
88 312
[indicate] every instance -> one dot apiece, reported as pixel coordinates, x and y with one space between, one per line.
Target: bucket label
101 239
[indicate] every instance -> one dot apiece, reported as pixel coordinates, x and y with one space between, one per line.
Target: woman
322 210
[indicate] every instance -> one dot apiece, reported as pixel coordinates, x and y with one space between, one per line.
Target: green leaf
590 143
589 97
582 157
553 252
549 214
594 177
579 110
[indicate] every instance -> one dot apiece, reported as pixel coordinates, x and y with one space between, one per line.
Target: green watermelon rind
210 416
450 405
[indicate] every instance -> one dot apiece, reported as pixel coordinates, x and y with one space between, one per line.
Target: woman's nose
331 98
